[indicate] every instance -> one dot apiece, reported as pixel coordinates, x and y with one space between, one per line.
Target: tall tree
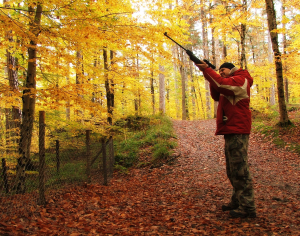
162 90
152 88
29 97
213 51
272 80
271 14
13 115
183 75
243 38
206 55
284 42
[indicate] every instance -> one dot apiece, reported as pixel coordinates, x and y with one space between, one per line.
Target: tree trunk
108 87
13 115
224 31
284 119
193 93
136 93
284 42
272 88
152 88
206 56
243 47
213 51
79 80
68 108
162 97
29 95
201 100
183 87
175 68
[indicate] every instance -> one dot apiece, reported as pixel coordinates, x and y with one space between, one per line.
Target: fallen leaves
182 199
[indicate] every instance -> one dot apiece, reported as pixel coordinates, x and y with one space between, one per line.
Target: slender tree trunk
243 47
175 55
272 80
193 94
284 119
201 100
138 99
213 51
108 89
110 105
68 108
162 89
206 55
284 41
29 95
183 86
253 50
13 115
136 93
79 81
152 88
224 39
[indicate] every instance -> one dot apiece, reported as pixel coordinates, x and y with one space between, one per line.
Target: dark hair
227 65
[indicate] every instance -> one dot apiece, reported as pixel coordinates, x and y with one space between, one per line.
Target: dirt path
182 199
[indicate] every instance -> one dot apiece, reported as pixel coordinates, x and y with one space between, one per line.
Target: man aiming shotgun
231 87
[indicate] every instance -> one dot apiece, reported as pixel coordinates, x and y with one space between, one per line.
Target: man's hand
202 66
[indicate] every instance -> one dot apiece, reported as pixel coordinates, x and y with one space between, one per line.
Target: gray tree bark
284 119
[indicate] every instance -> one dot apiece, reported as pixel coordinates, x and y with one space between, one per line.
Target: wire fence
53 165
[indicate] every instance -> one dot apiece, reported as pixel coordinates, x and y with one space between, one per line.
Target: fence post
111 156
88 154
104 161
42 200
4 174
57 155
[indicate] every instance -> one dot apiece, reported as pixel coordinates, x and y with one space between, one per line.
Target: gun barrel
191 55
174 41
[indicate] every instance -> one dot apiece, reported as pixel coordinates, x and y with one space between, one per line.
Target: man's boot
230 206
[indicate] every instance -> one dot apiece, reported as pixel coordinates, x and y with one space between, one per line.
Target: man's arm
227 86
214 93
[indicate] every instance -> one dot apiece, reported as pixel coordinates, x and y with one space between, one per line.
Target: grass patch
149 143
68 173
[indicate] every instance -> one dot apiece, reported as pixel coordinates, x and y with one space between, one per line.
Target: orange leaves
182 199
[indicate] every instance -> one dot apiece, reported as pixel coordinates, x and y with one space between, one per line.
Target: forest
92 86
99 61
88 64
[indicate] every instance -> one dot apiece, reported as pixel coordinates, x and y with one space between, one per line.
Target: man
232 89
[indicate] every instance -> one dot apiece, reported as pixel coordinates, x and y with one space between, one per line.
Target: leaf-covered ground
180 199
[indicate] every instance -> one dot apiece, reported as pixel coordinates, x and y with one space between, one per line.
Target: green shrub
154 134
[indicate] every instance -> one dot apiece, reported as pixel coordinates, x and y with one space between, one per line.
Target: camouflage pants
236 148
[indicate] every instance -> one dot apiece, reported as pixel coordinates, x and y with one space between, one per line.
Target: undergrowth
283 137
145 141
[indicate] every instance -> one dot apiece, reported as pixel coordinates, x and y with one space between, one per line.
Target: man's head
225 69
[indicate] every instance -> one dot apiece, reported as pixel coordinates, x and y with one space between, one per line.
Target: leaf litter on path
184 198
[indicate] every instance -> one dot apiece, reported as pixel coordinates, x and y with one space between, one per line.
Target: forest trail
184 198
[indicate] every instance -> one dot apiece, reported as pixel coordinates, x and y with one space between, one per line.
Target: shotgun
191 54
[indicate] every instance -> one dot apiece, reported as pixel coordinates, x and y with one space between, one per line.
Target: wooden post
57 155
111 156
104 161
4 174
88 155
42 200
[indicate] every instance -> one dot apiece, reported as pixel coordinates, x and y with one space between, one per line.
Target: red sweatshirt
233 94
